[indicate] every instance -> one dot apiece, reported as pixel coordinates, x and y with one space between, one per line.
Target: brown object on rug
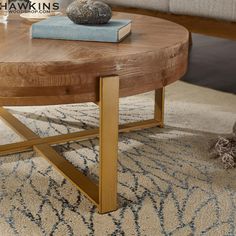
225 149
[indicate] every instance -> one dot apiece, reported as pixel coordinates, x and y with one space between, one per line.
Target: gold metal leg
108 137
159 106
103 194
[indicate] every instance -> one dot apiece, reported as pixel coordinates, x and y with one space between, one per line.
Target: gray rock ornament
89 12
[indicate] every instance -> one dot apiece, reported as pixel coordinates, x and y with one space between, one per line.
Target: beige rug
168 184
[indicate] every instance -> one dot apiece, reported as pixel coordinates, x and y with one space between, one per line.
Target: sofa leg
190 40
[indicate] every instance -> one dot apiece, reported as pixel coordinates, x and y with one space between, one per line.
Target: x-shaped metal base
104 193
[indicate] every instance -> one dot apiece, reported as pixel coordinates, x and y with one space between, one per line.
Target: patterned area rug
168 182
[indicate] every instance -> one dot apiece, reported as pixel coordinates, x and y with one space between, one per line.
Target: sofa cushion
218 9
160 5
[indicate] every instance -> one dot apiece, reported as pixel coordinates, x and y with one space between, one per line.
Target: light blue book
61 27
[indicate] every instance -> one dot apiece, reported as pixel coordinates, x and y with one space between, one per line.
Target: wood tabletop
42 71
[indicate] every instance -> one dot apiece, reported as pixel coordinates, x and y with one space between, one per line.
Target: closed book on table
61 27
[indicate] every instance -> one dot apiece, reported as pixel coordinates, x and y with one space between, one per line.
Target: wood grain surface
47 72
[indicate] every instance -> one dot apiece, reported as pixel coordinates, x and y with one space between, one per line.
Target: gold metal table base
104 193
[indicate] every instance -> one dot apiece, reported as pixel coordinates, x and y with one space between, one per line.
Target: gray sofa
216 9
209 17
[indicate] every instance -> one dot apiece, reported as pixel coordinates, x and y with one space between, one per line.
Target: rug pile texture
168 182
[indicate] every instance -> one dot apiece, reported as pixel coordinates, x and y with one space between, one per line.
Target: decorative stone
89 12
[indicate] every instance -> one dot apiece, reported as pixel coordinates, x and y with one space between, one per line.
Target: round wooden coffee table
47 72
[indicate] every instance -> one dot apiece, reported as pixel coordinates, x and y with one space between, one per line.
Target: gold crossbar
104 193
83 183
16 125
76 136
58 139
